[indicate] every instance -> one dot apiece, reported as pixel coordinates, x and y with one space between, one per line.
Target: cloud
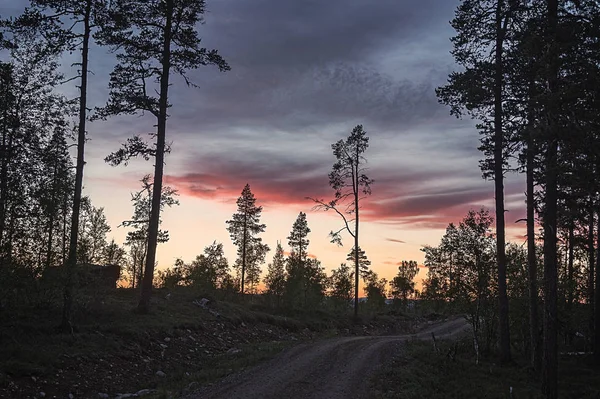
425 198
395 240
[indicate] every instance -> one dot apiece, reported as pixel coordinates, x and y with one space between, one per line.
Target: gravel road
337 368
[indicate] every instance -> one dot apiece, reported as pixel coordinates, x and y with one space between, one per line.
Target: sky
303 74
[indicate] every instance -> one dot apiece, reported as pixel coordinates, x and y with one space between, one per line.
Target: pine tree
363 262
297 240
480 91
153 39
276 276
243 227
351 186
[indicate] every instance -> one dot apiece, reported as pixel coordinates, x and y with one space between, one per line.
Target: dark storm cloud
314 63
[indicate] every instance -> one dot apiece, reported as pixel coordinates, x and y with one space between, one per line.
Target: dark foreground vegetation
420 370
190 338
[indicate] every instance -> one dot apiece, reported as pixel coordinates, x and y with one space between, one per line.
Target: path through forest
334 368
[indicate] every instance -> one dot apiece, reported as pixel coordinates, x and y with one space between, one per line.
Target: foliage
276 275
375 290
403 284
243 227
341 286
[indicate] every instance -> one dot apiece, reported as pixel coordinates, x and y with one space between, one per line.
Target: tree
243 227
375 290
550 365
153 38
137 240
462 268
92 233
363 262
276 276
297 240
113 254
209 270
480 90
341 285
351 186
403 283
50 17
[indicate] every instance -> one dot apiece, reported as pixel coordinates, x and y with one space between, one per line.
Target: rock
33 379
233 351
192 386
42 394
167 339
144 392
71 396
243 324
164 346
103 395
160 374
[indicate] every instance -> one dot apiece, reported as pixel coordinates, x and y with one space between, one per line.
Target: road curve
336 368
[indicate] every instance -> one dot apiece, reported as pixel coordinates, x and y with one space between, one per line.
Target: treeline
530 77
294 281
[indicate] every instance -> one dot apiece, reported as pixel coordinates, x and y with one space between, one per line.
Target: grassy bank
418 371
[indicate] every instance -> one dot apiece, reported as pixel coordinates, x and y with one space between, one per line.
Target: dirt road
333 369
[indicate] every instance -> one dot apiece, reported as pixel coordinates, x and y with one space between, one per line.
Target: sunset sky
303 74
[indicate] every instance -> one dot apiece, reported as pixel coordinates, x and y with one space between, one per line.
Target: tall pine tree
153 39
243 227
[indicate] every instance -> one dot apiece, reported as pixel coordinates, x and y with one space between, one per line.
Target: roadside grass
417 371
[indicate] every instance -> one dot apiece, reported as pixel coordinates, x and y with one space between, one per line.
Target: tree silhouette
153 39
342 285
480 91
243 228
297 240
351 185
363 262
403 283
137 240
276 276
68 26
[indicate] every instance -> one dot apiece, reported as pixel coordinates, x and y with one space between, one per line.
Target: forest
527 72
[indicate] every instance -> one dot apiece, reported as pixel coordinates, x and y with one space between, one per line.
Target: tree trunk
355 181
146 291
499 190
534 334
5 153
592 263
51 225
570 283
72 257
550 374
244 242
597 301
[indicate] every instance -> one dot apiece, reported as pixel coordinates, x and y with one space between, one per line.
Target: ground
184 343
336 368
